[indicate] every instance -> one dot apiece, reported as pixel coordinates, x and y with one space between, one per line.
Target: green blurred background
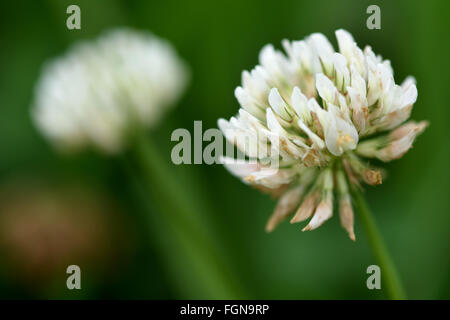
119 256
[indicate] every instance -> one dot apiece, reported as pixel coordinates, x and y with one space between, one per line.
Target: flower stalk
389 275
186 239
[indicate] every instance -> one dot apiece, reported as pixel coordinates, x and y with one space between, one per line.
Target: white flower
315 110
100 89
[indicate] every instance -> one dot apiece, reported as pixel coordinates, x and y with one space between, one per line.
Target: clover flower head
100 89
320 113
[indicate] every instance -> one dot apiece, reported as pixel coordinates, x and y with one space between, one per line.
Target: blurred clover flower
324 111
98 91
104 93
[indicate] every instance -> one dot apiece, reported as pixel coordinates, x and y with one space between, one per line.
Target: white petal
239 168
278 134
273 124
314 137
326 88
299 102
223 125
323 49
342 74
345 42
410 80
276 64
255 84
349 48
340 135
303 55
331 134
358 83
313 106
373 81
409 95
248 103
278 105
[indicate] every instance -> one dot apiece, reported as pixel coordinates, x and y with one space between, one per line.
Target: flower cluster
320 112
100 89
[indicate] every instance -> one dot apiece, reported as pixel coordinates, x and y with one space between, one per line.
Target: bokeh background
57 210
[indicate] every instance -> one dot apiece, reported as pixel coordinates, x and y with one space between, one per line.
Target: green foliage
219 40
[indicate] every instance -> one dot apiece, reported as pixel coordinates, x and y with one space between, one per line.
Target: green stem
390 278
194 259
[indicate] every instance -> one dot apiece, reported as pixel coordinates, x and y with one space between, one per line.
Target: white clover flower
100 89
323 107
